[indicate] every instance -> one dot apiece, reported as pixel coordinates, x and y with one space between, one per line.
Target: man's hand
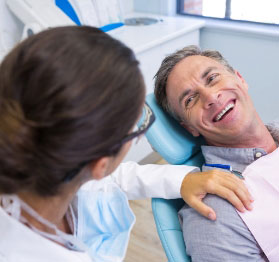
195 186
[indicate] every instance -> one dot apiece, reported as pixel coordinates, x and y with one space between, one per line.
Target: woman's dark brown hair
68 95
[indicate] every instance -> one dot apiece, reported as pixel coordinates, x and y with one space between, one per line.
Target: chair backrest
169 138
176 146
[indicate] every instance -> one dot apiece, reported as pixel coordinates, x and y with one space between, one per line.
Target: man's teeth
224 111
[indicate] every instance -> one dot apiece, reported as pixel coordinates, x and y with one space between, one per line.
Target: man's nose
210 97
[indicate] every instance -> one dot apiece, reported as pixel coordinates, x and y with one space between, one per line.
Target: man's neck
257 136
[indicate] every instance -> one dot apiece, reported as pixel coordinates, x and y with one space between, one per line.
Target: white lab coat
18 243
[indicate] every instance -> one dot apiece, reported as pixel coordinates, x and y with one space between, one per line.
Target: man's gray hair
170 62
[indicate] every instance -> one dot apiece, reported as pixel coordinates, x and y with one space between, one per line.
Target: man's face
210 100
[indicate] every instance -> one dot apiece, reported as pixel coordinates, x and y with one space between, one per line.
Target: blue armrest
168 228
176 146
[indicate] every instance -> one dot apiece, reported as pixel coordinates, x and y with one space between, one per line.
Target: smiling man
209 98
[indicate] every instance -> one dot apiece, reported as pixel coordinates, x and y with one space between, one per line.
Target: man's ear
190 129
99 167
241 78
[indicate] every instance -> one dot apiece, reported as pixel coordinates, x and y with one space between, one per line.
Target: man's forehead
196 63
189 67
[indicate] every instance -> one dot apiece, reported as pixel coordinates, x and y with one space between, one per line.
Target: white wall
256 57
162 7
127 6
10 29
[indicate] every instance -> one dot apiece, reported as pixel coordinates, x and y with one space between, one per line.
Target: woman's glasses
144 124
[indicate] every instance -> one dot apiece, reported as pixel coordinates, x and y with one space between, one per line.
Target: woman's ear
99 168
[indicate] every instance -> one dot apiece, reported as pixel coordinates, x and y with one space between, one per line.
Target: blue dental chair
177 147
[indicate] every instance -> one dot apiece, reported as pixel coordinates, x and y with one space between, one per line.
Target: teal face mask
105 220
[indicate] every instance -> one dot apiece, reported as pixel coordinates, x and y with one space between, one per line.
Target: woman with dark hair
69 100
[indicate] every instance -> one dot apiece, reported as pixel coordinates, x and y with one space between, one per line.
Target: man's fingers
202 208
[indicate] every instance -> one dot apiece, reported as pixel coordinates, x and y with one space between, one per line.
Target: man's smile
221 114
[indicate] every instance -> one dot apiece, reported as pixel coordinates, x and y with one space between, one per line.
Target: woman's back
69 98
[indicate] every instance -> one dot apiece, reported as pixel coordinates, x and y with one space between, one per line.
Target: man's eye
190 100
211 78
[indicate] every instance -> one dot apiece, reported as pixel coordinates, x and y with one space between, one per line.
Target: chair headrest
169 138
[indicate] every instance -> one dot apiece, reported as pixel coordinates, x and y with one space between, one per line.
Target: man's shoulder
273 128
228 223
225 212
225 239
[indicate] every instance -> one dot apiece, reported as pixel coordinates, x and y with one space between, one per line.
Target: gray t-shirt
227 238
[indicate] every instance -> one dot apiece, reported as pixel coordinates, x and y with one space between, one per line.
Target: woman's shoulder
18 243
